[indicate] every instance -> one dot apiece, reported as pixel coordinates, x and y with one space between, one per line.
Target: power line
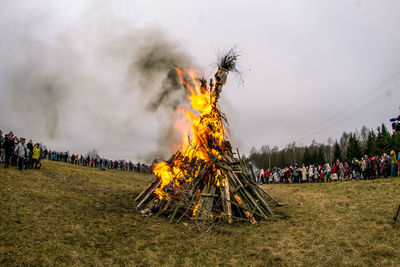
360 109
387 81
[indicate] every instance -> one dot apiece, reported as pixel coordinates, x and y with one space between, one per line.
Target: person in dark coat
29 159
14 157
1 146
8 149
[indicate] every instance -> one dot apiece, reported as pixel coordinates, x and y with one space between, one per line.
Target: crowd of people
366 168
15 151
97 162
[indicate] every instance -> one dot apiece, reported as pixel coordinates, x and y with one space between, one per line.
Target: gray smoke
112 88
36 98
158 58
153 68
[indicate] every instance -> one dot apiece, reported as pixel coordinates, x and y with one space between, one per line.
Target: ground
71 215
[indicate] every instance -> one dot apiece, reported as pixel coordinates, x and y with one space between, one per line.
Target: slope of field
71 215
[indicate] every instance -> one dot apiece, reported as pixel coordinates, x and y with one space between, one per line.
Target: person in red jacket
267 174
287 175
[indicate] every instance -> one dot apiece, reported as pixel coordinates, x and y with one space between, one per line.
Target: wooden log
397 214
174 214
255 189
174 157
238 154
247 194
228 199
205 206
180 203
199 207
242 163
208 204
243 208
268 195
193 201
145 190
223 194
248 214
269 210
237 188
209 195
165 207
149 192
236 183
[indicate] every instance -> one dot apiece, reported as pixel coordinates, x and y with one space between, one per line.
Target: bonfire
205 179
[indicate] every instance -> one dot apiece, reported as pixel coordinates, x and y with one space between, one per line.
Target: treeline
350 145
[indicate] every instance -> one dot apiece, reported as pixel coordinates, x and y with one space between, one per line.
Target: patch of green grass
71 215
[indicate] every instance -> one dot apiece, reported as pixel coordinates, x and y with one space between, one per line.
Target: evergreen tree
396 141
384 140
306 157
313 158
253 150
282 162
349 146
354 148
337 152
344 143
372 144
363 137
320 157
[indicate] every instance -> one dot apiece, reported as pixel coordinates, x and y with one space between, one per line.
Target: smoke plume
113 88
156 59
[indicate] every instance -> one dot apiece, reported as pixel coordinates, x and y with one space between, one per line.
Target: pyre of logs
206 181
234 197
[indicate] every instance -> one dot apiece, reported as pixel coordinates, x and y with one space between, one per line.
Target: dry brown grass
71 215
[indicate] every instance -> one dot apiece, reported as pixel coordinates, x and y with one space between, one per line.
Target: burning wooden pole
205 180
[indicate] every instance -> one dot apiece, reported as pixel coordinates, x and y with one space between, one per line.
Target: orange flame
202 132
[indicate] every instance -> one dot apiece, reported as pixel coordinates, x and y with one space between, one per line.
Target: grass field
72 215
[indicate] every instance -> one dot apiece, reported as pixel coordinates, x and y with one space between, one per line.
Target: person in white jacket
260 179
328 172
21 152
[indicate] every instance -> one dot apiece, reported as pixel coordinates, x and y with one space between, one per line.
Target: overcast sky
311 69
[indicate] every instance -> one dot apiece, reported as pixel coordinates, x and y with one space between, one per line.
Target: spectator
8 149
14 156
36 156
393 162
328 172
322 176
296 174
347 171
29 146
303 174
384 165
259 176
21 152
267 174
2 153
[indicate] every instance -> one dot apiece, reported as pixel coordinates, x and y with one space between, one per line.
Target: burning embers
204 179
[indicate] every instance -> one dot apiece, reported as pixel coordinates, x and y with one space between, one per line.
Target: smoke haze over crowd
79 75
94 88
